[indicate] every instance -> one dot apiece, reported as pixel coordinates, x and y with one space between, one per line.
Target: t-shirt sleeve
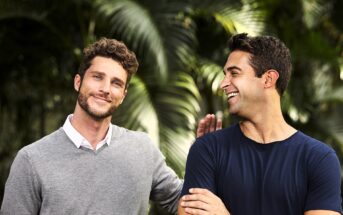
21 190
200 167
324 191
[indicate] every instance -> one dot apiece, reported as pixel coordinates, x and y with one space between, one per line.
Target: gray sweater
52 176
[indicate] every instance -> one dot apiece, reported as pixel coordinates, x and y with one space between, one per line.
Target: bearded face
102 89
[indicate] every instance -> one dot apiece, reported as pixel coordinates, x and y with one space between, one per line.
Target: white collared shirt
79 140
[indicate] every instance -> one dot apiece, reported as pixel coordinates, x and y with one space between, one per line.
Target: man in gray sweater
90 166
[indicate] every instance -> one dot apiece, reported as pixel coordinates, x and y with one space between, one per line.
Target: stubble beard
82 100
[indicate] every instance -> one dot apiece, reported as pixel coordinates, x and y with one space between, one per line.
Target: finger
219 124
195 211
196 204
201 127
200 191
195 197
212 123
208 119
208 199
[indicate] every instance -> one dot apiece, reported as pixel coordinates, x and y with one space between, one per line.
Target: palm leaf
134 23
137 111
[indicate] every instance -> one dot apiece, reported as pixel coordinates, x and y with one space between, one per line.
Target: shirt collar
77 138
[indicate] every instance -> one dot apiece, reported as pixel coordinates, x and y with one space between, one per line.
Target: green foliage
181 47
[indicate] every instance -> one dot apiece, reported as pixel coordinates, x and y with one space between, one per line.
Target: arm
166 186
321 212
208 124
200 170
22 192
324 191
201 201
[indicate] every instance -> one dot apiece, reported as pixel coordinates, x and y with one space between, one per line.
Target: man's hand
208 124
202 202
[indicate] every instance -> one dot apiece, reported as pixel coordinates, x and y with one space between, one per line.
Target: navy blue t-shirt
286 177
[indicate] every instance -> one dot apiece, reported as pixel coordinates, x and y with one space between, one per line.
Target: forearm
321 212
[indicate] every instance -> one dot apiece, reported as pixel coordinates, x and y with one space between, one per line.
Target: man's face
240 84
102 88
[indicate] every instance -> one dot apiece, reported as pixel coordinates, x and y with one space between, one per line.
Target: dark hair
267 53
110 48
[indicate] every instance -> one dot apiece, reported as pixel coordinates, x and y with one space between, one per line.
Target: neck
93 130
267 125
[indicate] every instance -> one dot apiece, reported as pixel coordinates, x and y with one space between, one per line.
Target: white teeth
230 95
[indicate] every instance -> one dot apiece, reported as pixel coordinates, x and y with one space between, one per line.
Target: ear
270 78
77 82
125 93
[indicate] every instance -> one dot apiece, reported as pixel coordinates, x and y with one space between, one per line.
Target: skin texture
240 79
103 87
202 202
101 91
208 124
257 101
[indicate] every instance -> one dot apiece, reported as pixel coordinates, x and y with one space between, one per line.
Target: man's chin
99 116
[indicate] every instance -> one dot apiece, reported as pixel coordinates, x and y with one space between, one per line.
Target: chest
273 176
114 178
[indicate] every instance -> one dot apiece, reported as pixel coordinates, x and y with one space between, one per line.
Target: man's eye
117 83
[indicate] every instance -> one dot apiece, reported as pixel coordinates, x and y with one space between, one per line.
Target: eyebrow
231 68
97 72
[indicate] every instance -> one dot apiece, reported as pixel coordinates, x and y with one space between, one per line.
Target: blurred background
181 46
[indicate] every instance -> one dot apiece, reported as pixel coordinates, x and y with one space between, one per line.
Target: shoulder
312 145
43 148
120 132
216 142
220 136
132 140
45 142
313 150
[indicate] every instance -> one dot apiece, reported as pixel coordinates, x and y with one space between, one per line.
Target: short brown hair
267 53
110 48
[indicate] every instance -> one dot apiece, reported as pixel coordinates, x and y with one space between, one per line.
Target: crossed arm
203 202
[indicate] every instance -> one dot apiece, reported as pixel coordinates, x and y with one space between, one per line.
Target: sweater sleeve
324 191
21 194
166 185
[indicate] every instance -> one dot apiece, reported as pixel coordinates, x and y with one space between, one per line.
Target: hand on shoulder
208 124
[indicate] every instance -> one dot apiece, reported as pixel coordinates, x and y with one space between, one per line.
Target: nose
105 86
226 81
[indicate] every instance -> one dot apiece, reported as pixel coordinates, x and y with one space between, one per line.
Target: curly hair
267 53
110 48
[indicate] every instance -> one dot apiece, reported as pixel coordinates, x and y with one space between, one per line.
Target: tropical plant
181 47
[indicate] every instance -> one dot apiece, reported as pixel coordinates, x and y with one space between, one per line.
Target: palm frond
134 23
179 106
247 19
235 17
212 74
313 11
137 111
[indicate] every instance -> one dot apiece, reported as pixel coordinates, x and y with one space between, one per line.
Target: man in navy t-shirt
262 165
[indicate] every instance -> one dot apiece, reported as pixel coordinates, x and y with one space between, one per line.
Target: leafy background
181 46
